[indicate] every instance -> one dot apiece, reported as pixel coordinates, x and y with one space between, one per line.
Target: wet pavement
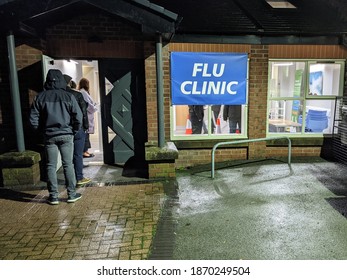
260 210
111 222
263 210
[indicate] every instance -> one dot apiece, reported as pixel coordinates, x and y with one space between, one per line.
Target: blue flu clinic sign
208 78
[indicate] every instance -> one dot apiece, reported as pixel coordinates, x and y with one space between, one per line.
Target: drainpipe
160 92
15 93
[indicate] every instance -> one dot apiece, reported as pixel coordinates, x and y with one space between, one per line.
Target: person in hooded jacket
56 113
80 136
233 114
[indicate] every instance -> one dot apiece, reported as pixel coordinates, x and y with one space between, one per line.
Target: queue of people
231 114
64 116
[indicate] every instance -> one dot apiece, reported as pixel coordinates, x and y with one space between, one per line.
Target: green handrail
249 141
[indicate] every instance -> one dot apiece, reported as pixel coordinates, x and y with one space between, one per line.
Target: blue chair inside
316 121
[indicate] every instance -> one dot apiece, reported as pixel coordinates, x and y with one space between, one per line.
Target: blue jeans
64 145
233 126
78 153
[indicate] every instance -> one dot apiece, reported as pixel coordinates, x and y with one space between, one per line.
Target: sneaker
74 198
53 201
83 181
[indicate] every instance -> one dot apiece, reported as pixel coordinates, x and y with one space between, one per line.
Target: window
209 95
301 96
216 121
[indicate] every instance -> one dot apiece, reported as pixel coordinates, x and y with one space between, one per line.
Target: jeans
64 145
78 153
233 126
87 144
196 124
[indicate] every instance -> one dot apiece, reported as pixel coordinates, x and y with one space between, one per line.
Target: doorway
118 86
78 69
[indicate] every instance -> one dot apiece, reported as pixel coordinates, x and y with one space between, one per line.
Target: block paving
116 222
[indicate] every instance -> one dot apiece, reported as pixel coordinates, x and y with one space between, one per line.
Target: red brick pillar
258 81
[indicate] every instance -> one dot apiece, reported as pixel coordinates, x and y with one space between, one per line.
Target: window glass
324 79
286 79
285 116
302 96
198 120
319 116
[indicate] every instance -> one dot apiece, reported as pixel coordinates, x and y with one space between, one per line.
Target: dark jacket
197 110
55 111
232 112
83 105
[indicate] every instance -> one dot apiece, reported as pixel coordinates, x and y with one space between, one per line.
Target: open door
123 104
47 63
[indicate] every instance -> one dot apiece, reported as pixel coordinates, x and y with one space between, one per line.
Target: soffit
32 17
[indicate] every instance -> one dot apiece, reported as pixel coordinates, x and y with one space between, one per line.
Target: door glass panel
110 135
108 86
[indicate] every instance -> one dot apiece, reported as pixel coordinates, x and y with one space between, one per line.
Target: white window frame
306 97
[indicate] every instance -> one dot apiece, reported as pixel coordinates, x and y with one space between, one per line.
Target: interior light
280 4
283 63
71 61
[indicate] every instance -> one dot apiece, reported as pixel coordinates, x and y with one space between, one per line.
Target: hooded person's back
55 111
80 100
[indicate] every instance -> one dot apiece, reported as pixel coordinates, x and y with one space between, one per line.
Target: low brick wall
20 169
161 161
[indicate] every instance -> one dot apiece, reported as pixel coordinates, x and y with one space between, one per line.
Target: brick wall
151 91
95 36
307 51
257 96
161 170
27 55
190 157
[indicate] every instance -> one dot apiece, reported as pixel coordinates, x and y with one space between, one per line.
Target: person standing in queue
233 114
55 113
83 87
196 114
79 138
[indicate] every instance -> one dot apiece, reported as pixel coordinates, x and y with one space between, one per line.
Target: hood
67 78
55 80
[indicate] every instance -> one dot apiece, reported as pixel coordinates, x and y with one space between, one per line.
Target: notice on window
208 78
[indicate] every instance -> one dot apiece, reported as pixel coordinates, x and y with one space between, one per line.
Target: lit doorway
78 69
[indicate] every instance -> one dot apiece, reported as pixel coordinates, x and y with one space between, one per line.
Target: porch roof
31 17
222 21
255 21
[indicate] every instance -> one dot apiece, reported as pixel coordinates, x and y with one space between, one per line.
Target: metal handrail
249 141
